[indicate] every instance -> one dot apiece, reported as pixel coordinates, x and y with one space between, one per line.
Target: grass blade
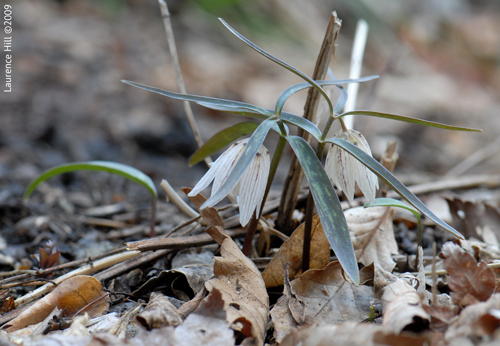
328 206
103 166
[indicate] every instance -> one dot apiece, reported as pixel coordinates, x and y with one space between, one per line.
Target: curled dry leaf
187 277
159 312
71 295
470 282
242 287
291 252
289 312
330 298
403 309
480 320
207 325
372 235
350 334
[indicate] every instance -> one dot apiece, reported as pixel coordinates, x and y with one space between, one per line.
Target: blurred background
437 59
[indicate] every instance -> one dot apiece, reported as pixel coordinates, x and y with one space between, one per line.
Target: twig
178 75
295 174
179 242
85 270
61 266
358 50
177 200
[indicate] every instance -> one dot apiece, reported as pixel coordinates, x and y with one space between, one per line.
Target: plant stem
272 172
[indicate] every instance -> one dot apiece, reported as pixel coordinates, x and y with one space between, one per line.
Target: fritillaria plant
245 169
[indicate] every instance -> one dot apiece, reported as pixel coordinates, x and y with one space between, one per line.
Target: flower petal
253 185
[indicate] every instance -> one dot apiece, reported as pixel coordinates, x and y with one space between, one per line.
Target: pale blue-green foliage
325 198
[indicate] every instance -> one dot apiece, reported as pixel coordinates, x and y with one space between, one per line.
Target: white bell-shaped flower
344 170
252 184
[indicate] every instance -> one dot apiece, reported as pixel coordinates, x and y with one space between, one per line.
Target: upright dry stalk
178 76
295 175
358 50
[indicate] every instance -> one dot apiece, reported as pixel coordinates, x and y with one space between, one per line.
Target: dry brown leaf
207 325
289 312
403 309
480 320
241 285
210 215
330 298
187 277
291 252
469 281
159 312
479 220
350 334
372 235
71 295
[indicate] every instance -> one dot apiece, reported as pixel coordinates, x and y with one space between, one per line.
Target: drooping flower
252 184
345 171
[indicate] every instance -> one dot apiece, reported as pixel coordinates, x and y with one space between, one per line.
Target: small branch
85 270
294 179
178 75
177 200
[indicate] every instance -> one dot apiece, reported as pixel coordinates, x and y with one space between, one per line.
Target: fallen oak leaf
207 325
372 235
291 252
330 298
71 295
470 282
159 312
402 308
241 285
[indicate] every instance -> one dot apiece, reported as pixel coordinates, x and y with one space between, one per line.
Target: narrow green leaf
392 181
203 100
303 123
341 101
285 95
391 202
410 120
222 139
104 166
246 112
280 62
328 206
244 161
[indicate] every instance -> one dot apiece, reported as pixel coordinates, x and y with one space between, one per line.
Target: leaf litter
239 300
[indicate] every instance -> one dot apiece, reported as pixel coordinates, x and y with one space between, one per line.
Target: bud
344 170
252 184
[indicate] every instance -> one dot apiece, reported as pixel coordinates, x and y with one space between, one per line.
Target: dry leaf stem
294 179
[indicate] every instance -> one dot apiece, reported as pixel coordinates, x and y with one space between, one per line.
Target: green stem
272 172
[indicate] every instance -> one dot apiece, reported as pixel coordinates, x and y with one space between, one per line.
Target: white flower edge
250 188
